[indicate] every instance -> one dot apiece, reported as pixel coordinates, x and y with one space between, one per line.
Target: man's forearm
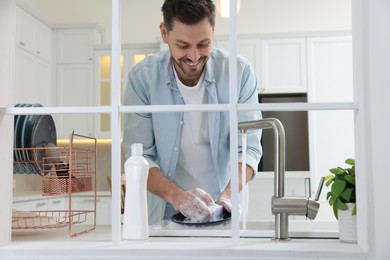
249 174
161 186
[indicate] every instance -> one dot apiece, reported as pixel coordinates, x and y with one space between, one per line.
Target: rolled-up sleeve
248 95
138 127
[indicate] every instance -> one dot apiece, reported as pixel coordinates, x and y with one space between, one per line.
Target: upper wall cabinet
75 45
32 79
248 48
283 66
33 35
75 76
33 60
280 64
330 69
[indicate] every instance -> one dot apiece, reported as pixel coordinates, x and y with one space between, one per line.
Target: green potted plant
342 198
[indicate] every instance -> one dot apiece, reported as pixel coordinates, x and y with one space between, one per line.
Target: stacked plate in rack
32 133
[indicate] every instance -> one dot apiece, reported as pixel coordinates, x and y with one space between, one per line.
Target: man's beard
190 78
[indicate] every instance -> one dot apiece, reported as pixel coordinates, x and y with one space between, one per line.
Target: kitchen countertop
97 245
56 243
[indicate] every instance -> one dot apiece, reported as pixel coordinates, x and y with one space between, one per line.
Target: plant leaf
337 171
350 178
338 188
341 205
331 200
354 211
347 194
350 161
328 194
335 211
328 181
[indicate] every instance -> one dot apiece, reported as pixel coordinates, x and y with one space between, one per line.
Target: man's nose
194 54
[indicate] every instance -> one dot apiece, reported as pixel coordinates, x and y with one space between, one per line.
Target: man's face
190 47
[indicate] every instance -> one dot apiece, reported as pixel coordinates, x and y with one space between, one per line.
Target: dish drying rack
64 171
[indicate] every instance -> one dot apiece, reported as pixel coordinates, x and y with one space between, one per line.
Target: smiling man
189 152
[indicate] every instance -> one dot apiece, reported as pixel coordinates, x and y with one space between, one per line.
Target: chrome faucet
282 206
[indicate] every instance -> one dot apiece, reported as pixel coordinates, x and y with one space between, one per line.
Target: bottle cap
136 149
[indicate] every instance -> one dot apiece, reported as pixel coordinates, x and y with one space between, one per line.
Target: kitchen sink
254 228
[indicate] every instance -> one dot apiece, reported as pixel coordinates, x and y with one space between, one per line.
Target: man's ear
164 32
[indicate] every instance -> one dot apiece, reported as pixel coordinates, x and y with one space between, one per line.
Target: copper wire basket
48 219
64 171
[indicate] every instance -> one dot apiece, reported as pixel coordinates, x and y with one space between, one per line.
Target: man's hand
195 204
225 201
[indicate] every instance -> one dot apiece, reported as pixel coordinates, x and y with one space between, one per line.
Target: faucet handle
320 185
313 205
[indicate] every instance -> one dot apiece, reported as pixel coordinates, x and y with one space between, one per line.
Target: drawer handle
40 204
22 43
56 201
91 200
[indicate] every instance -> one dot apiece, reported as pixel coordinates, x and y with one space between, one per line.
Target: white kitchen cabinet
22 206
283 66
57 203
248 48
75 45
33 57
43 203
33 79
84 202
33 36
75 76
74 88
331 133
103 208
280 64
43 41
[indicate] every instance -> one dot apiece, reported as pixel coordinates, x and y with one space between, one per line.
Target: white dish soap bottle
135 221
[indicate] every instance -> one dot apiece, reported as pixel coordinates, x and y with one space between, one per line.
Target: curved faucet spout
279 148
282 207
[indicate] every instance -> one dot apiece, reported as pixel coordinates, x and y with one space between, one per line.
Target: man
188 152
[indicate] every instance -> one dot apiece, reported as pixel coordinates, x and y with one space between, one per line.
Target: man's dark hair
187 11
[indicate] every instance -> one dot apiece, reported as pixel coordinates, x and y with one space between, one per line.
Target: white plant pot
347 225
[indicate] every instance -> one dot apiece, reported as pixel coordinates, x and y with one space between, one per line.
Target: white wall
7 49
141 19
377 77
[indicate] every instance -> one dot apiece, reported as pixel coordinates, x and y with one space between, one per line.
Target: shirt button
169 174
181 122
176 149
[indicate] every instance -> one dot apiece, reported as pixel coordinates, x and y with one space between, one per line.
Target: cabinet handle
56 201
22 43
40 204
91 200
38 52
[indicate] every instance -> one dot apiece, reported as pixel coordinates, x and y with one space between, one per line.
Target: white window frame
116 109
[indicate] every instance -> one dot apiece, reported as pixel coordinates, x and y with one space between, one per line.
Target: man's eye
182 46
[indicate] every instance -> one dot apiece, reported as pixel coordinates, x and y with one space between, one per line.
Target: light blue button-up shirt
152 82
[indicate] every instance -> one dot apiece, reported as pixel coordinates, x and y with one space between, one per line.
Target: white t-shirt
195 166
